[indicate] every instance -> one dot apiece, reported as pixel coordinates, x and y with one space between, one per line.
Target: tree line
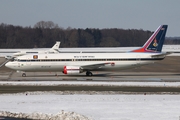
45 34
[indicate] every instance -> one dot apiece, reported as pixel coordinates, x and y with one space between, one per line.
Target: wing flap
94 66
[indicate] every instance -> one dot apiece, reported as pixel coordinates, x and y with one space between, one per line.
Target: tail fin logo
155 44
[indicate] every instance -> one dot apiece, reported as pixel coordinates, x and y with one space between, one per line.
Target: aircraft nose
9 65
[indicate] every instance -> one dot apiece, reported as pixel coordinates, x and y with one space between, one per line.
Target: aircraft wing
95 66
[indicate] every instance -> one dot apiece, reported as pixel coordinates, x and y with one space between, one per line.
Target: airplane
54 49
19 52
75 63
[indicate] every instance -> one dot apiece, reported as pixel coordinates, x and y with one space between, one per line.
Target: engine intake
72 70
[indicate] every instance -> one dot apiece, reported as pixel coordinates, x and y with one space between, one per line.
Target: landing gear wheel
24 75
88 73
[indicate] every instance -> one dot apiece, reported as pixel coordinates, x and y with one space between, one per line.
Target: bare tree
46 24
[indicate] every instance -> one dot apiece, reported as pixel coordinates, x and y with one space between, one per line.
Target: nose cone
9 65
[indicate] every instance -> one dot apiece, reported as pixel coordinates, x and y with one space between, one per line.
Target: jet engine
72 70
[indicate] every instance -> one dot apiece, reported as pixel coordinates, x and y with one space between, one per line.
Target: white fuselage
56 62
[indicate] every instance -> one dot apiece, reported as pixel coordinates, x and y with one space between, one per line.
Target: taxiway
98 76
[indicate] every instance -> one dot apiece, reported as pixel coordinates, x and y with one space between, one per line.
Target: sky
125 14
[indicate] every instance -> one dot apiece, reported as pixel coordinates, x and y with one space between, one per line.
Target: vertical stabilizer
155 42
55 47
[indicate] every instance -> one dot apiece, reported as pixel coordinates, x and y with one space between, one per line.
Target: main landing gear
88 73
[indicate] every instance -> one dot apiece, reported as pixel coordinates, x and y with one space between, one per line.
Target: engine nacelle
72 70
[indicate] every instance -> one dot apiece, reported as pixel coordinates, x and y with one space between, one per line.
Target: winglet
155 42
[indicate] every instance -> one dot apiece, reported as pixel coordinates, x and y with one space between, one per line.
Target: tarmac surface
97 77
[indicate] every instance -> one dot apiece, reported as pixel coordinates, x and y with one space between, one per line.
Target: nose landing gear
88 73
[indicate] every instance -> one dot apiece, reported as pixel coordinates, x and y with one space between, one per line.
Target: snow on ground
89 83
96 107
